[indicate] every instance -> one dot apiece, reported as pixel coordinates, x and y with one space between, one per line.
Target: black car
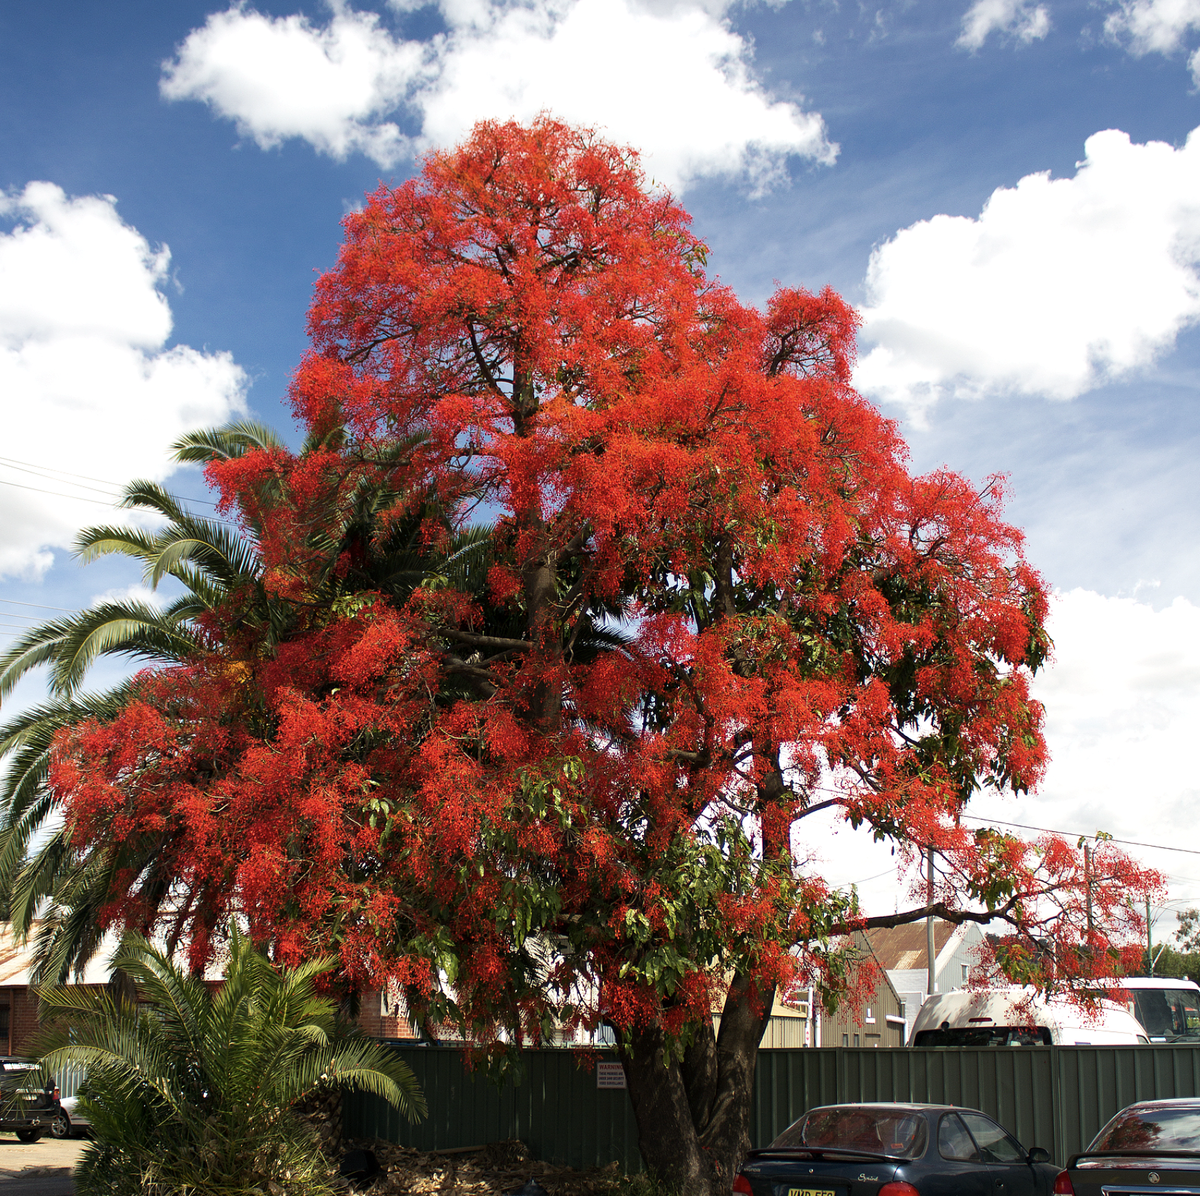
1153 1146
896 1150
28 1099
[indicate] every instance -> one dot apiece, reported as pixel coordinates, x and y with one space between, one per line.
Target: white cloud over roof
88 386
1058 286
673 80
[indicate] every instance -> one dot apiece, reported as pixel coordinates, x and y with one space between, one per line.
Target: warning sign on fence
610 1075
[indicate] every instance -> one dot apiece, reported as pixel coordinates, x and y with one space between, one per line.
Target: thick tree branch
500 643
935 909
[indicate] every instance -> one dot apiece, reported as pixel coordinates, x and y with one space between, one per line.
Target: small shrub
190 1092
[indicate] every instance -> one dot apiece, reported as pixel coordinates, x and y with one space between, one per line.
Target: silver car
68 1119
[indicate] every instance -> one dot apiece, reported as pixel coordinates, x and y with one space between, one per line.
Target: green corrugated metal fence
1056 1097
556 1110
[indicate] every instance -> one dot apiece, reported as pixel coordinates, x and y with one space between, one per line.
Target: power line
69 610
38 472
101 503
65 473
887 872
45 470
1107 839
59 494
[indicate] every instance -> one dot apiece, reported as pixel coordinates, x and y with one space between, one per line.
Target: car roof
1171 1102
891 1104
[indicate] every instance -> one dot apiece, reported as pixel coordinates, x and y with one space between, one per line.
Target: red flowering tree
566 777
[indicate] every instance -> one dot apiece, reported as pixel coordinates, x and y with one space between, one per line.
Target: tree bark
693 1113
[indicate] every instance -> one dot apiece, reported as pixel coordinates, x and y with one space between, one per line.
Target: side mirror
1039 1154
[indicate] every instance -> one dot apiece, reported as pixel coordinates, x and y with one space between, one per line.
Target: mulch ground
499 1167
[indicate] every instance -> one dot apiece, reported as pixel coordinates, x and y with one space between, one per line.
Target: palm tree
56 886
210 560
190 1090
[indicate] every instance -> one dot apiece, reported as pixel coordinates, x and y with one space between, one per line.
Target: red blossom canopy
564 773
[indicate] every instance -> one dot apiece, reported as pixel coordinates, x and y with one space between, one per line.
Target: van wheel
30 1135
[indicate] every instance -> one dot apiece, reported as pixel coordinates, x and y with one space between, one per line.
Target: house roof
16 961
899 948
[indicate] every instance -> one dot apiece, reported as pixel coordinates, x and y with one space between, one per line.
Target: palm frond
129 628
146 495
231 440
217 552
95 542
194 1088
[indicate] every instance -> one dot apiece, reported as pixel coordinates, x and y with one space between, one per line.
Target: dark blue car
896 1150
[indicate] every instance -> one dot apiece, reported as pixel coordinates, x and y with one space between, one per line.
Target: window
895 1133
1169 1013
954 1142
870 1014
846 1040
856 1040
976 1036
1157 1129
966 972
996 1145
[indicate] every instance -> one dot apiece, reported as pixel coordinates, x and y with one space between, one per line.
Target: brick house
18 1001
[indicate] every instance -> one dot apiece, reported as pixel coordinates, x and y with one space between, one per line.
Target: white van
1011 1017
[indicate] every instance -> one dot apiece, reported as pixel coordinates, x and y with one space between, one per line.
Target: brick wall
23 1022
373 1023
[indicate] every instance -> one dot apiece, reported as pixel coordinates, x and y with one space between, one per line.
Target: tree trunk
693 1113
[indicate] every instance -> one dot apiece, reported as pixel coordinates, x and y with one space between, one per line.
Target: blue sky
1030 296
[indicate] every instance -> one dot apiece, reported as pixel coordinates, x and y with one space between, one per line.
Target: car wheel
60 1126
30 1135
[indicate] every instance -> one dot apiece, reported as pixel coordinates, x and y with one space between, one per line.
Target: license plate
811 1192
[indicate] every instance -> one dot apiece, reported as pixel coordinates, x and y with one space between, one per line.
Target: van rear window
984 1036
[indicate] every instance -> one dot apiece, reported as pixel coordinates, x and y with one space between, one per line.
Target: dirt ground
496 1168
47 1156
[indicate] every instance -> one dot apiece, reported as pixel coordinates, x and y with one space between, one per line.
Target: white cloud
1122 702
133 593
1122 699
1058 286
672 79
88 390
284 77
1156 26
1153 26
1024 21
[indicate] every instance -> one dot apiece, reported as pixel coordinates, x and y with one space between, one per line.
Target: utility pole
1087 884
1149 940
930 986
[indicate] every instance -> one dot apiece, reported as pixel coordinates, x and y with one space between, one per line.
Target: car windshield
880 1131
1170 1013
1164 1128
